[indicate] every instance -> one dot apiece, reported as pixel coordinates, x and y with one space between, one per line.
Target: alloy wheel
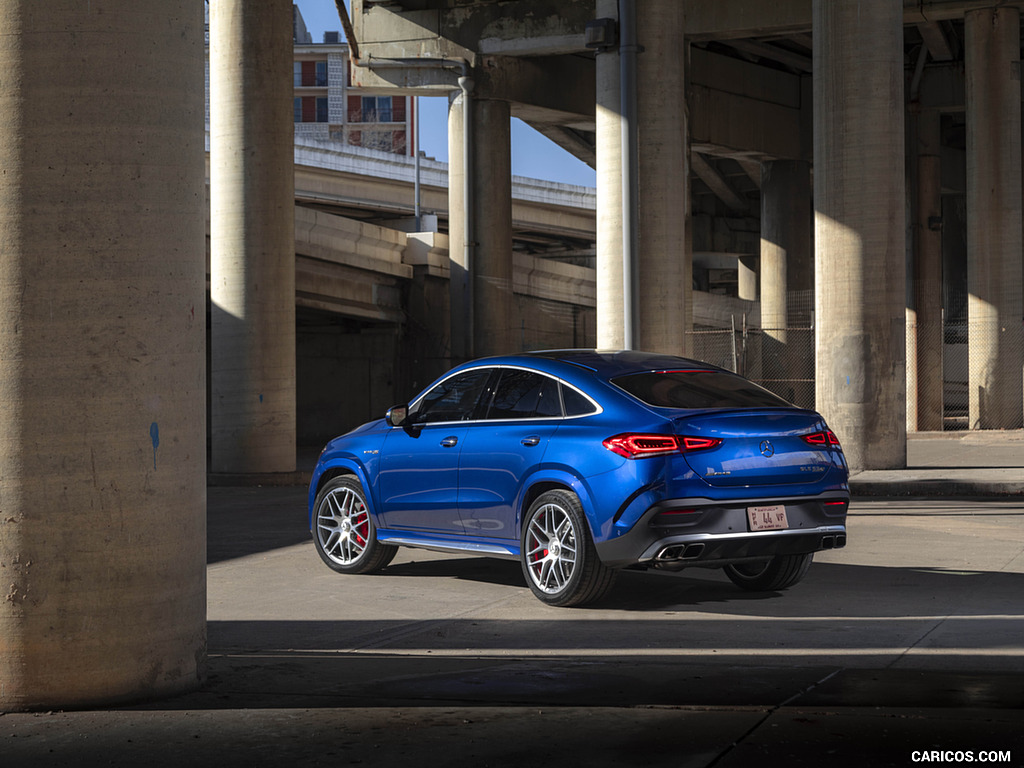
551 554
343 525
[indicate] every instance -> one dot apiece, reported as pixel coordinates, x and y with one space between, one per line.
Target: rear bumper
716 533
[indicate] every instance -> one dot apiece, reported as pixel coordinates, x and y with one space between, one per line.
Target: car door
419 465
503 447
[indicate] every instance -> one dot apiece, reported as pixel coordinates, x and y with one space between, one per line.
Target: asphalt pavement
904 648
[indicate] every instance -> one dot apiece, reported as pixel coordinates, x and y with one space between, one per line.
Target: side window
524 395
575 403
454 399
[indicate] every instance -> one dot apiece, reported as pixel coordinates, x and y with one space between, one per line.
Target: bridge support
996 339
252 237
924 360
481 307
860 263
664 262
102 364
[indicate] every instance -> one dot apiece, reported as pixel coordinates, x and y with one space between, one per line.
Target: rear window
697 389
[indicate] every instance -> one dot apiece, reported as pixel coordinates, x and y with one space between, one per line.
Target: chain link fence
779 359
783 361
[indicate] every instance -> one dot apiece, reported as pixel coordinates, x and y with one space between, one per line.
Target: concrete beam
562 85
730 19
710 176
523 28
935 40
738 106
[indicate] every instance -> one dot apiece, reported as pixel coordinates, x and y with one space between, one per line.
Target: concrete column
665 266
102 352
252 237
860 272
747 269
995 341
665 291
787 277
928 337
609 192
461 316
488 261
493 300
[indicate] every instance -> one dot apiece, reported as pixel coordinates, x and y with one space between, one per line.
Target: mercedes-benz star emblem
767 449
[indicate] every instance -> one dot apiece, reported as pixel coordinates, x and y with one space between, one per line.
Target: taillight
701 443
640 446
637 446
826 439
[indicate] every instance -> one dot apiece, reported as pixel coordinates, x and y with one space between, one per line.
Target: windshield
698 389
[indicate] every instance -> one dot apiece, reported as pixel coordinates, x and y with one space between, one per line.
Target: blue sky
533 155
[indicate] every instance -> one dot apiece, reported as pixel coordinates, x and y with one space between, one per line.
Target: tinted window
697 389
524 395
454 399
575 403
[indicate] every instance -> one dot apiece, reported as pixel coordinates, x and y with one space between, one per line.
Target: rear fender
562 477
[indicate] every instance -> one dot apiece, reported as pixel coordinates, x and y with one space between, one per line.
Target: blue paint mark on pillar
154 434
261 398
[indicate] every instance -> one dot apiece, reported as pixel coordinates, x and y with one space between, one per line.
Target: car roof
605 363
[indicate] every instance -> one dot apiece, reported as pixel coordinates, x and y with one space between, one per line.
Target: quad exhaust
833 542
679 552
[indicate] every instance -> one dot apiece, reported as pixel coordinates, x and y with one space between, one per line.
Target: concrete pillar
493 300
481 275
928 336
787 278
664 289
860 272
995 341
609 192
102 352
252 237
747 269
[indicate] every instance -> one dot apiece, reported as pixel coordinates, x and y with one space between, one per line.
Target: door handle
531 440
450 442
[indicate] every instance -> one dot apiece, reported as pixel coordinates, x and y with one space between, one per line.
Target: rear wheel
559 559
779 572
343 531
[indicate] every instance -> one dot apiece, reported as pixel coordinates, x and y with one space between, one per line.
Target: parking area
910 639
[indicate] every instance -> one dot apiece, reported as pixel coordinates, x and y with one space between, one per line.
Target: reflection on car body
580 463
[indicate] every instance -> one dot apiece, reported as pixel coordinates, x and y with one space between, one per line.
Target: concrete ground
905 647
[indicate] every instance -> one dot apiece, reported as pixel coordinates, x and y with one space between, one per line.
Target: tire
343 530
558 555
780 572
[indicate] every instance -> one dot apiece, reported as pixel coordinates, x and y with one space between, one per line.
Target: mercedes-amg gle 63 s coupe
581 463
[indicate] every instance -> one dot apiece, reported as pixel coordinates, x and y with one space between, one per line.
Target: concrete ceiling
533 54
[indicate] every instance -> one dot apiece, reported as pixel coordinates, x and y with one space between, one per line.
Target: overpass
699 117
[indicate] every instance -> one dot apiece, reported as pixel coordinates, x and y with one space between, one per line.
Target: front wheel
558 555
779 572
343 531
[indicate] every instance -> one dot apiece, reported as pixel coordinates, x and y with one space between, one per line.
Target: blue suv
580 463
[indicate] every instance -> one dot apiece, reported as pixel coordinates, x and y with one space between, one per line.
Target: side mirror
396 415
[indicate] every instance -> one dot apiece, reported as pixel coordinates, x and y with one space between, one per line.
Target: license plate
771 518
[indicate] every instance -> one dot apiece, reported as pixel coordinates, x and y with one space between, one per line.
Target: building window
310 109
375 109
309 74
